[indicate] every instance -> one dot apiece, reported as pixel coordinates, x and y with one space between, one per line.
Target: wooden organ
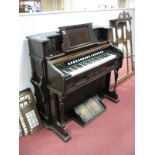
71 71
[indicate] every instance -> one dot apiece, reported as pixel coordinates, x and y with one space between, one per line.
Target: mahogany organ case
71 71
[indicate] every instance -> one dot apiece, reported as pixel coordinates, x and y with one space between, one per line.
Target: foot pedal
88 110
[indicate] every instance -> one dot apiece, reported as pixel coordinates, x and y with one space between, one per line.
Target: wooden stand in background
122 38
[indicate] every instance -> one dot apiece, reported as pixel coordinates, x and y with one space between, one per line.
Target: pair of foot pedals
88 110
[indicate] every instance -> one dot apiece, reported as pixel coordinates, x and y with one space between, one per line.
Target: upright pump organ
71 71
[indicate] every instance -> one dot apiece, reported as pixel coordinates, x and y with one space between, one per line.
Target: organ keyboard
71 71
85 63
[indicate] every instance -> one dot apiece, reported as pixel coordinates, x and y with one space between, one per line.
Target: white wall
46 22
86 5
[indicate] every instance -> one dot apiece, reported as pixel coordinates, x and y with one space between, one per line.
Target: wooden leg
112 95
58 125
